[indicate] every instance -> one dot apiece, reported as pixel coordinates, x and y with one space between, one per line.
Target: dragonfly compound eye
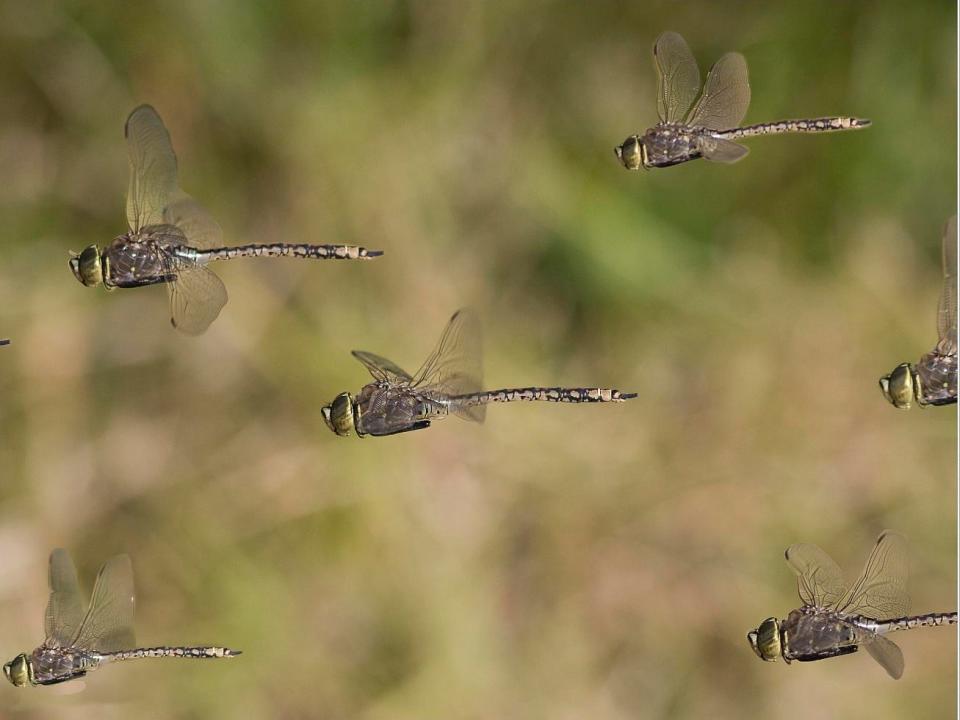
17 671
339 414
765 640
87 268
630 153
898 387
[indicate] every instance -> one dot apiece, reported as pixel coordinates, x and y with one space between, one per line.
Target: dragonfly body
79 640
933 380
836 621
172 238
448 383
709 127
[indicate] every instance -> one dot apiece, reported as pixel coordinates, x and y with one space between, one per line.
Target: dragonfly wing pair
453 368
722 104
107 624
153 198
879 593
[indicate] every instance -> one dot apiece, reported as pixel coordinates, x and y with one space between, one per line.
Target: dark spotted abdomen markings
915 621
294 250
814 125
198 653
537 394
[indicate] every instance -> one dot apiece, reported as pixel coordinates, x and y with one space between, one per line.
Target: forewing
381 368
887 653
196 298
200 229
678 78
726 95
65 607
947 312
455 365
819 579
722 151
881 590
153 168
108 625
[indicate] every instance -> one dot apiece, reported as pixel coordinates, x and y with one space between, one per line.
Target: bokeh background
556 562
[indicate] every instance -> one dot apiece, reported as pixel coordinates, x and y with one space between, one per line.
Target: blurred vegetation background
556 562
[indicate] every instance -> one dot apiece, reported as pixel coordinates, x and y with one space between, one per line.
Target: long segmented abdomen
814 125
535 394
294 250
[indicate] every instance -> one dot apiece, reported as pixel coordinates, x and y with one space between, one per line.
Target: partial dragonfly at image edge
80 638
172 238
932 380
450 382
695 122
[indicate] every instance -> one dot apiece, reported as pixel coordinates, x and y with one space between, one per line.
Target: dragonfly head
765 640
87 266
901 386
19 671
340 415
631 153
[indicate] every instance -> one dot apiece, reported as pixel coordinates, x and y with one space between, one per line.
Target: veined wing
153 168
196 297
198 226
886 653
455 365
678 78
819 579
722 150
947 312
108 624
881 590
726 95
381 368
65 608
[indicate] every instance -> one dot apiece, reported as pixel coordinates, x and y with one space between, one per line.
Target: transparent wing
200 229
726 95
455 366
947 312
819 579
886 653
153 168
196 298
678 78
65 608
881 590
108 625
381 368
720 150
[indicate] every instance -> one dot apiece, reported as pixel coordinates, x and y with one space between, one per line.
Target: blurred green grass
555 562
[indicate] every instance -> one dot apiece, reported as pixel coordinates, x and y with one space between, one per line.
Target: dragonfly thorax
87 267
765 640
901 386
342 415
19 671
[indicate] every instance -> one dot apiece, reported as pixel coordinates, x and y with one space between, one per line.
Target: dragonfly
933 380
172 238
710 126
448 383
836 620
80 639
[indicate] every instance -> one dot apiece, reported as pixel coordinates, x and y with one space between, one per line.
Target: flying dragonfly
80 639
933 380
836 620
711 126
172 237
448 383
